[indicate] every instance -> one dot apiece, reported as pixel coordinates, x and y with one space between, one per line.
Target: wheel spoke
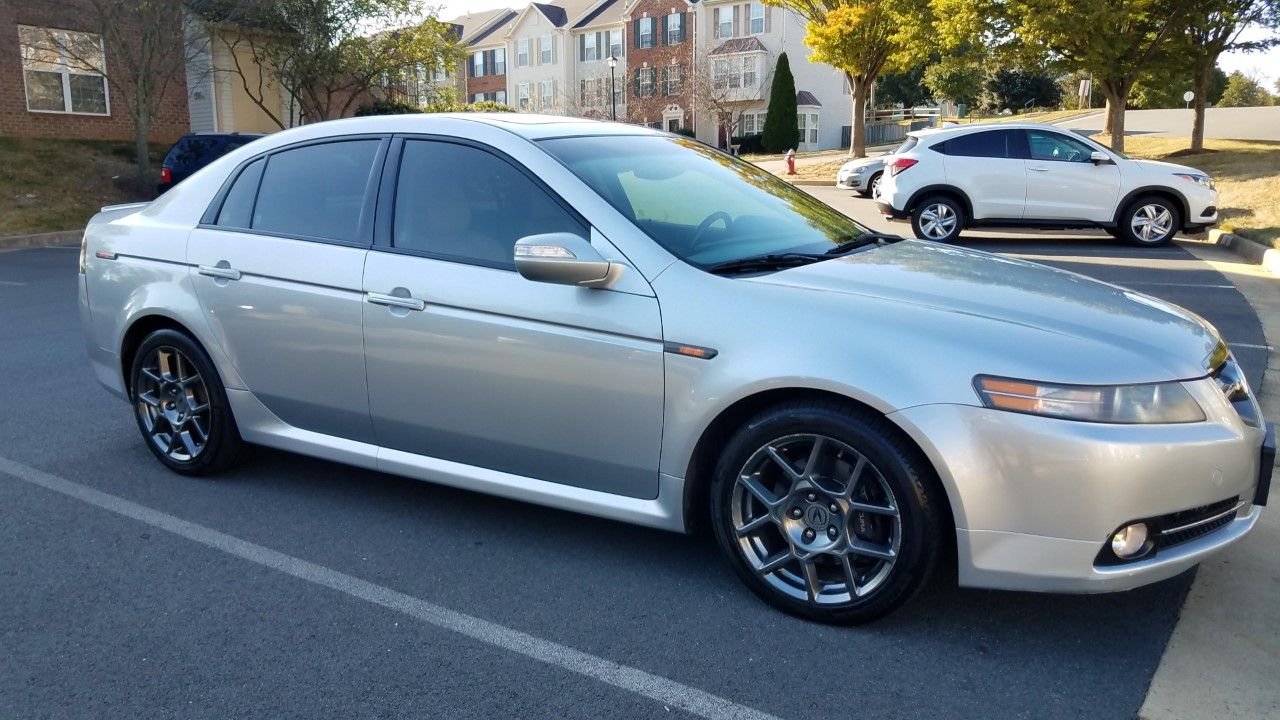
194 424
850 575
775 563
188 443
150 399
752 484
151 375
874 509
751 526
174 440
869 550
811 582
164 363
811 465
854 477
783 463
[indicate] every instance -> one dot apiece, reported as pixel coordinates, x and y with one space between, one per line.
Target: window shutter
768 18
635 81
715 22
635 33
582 48
653 81
684 23
662 31
490 62
737 21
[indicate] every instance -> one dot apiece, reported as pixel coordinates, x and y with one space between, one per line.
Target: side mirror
563 259
1097 157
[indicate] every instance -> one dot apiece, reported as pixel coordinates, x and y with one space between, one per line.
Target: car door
278 266
988 167
1063 183
470 362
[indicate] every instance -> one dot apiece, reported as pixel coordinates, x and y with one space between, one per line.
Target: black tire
863 193
939 218
1159 212
896 467
870 192
165 400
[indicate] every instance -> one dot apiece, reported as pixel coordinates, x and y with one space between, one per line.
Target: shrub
749 144
386 107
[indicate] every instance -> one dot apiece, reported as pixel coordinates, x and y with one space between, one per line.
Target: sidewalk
1223 660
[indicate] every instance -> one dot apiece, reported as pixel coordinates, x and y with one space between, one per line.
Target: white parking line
1173 284
654 687
11 282
1249 345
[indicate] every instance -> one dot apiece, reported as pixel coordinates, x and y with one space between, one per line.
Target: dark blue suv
195 150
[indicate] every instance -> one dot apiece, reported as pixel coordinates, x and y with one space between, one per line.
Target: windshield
703 206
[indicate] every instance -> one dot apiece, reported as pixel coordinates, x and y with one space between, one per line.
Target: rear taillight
166 175
897 165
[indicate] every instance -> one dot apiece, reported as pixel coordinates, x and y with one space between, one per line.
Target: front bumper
1036 500
851 181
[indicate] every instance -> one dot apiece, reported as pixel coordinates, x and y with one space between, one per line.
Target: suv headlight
1202 180
1126 404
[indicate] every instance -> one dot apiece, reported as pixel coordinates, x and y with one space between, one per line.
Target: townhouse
485 36
703 67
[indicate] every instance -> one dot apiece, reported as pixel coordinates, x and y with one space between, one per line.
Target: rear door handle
220 270
1037 168
395 301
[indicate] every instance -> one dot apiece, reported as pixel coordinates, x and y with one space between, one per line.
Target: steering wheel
706 224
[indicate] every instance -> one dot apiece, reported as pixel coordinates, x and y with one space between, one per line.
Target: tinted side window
317 191
237 207
191 151
989 144
1057 147
473 212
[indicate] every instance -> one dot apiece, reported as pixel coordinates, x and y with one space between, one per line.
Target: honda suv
1031 175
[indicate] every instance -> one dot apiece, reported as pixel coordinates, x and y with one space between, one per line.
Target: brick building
43 94
661 63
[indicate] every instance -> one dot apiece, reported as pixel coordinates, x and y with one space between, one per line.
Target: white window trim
522 96
751 18
550 49
652 23
66 77
527 54
679 26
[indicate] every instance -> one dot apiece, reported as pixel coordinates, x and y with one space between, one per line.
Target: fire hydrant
791 162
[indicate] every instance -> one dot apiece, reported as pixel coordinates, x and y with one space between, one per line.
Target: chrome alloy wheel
937 221
815 519
1151 223
172 403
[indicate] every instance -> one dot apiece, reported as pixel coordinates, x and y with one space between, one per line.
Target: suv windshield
703 206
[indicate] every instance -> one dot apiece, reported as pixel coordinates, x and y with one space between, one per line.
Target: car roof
956 130
527 125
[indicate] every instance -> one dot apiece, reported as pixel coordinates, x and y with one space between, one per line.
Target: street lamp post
613 97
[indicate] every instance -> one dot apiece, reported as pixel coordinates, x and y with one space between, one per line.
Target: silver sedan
862 175
622 322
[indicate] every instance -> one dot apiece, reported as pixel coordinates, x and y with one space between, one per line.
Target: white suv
1034 175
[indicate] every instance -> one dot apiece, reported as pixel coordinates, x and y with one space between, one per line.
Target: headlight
1202 180
1128 404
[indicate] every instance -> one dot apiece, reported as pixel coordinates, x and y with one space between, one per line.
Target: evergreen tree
781 128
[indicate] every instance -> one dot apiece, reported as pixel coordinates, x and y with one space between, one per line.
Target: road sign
1188 96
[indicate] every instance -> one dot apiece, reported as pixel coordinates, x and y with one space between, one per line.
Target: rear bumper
890 211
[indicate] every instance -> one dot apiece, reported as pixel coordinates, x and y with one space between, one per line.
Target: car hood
862 162
1068 314
1159 166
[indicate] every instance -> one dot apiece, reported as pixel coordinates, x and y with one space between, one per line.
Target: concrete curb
808 183
1251 250
65 237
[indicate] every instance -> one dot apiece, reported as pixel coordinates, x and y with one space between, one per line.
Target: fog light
1130 541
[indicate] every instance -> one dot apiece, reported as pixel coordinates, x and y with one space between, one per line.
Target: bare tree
722 88
141 49
322 55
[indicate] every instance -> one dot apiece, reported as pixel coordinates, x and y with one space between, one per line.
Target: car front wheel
826 513
181 405
1150 221
938 218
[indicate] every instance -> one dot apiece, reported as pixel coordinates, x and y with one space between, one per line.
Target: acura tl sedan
617 321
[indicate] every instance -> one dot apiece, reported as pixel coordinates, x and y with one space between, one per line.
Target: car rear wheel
1150 221
826 513
938 218
181 406
873 187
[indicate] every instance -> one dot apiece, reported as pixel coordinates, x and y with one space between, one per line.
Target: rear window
907 145
989 144
316 190
194 152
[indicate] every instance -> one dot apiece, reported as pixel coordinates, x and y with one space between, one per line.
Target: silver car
862 175
621 322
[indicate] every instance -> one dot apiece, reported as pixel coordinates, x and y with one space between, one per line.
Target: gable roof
498 29
804 97
603 12
475 25
739 45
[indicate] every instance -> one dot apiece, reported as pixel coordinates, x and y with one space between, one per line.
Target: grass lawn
52 185
1247 173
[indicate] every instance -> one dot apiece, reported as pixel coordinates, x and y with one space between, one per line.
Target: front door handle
222 270
1037 168
395 301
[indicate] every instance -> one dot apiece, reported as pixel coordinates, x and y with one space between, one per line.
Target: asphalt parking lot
294 587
